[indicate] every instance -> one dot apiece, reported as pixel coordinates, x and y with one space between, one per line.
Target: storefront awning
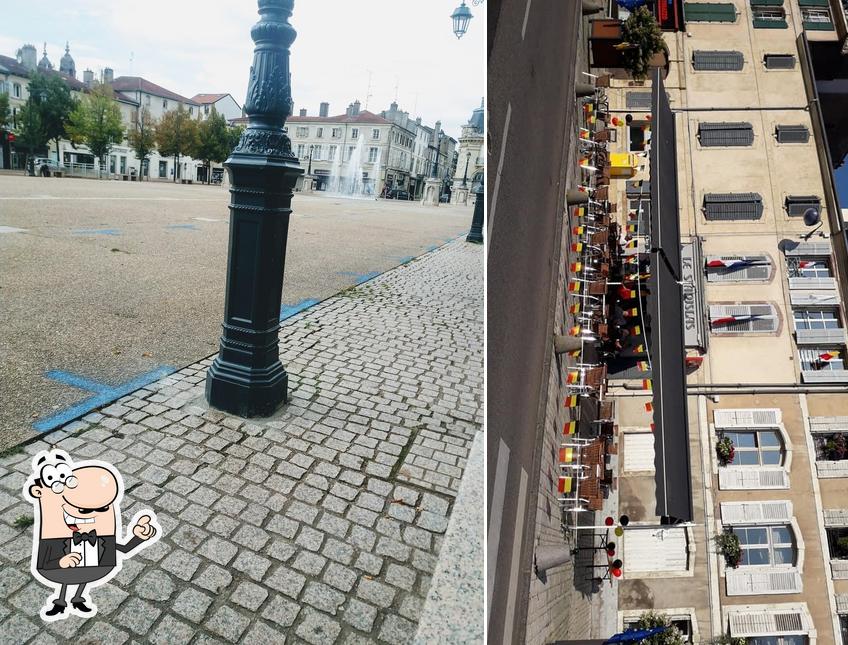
665 304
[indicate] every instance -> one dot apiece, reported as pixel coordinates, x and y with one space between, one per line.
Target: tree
54 103
142 137
31 135
213 142
96 122
671 636
4 110
176 135
234 133
642 38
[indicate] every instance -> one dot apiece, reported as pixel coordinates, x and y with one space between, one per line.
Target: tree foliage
671 636
234 133
96 122
54 102
177 135
4 110
213 141
31 135
142 136
642 38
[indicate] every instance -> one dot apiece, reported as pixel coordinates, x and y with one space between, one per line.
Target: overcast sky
194 47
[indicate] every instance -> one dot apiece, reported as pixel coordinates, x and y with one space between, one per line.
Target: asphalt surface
531 100
110 284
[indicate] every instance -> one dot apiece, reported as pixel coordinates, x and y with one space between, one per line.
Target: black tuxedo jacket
51 550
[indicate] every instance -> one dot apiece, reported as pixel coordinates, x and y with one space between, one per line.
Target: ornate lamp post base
247 378
475 235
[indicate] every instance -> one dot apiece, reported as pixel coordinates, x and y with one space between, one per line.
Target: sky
405 49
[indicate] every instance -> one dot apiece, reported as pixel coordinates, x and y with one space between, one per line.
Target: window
756 447
816 15
191 110
831 446
349 152
779 61
301 151
372 155
302 132
709 12
123 165
717 61
337 133
733 206
738 319
331 153
205 109
164 104
764 546
792 134
789 639
738 268
319 133
822 359
317 151
797 205
113 162
725 134
800 267
375 133
638 135
784 624
354 133
815 319
837 542
768 15
16 90
683 624
147 99
163 168
843 628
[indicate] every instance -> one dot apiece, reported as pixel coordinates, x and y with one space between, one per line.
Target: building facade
764 264
222 103
470 159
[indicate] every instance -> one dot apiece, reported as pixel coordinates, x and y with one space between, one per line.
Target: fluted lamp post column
247 377
475 235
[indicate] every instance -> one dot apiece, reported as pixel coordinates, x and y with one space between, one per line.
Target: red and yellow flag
573 287
574 331
576 267
826 357
646 384
570 427
572 401
643 366
574 309
577 247
578 230
632 228
630 313
626 294
572 378
637 330
649 407
639 349
564 485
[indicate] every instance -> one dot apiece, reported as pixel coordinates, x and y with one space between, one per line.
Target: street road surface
106 285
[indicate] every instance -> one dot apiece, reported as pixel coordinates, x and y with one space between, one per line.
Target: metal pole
475 235
247 377
309 171
465 172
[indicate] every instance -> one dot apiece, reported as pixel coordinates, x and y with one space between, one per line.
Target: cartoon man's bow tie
90 536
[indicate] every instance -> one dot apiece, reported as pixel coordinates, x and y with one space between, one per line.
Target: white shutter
824 376
767 623
747 418
801 297
842 604
839 569
832 469
765 322
760 271
763 581
639 455
655 550
819 336
828 424
756 512
835 517
743 478
812 283
809 248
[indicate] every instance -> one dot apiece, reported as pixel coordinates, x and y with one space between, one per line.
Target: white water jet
346 180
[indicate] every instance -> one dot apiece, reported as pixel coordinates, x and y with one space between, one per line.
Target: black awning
665 304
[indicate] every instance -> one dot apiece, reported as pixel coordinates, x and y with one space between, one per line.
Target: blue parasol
634 635
631 5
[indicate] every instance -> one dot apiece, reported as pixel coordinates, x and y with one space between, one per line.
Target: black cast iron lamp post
465 172
309 170
247 378
461 16
475 235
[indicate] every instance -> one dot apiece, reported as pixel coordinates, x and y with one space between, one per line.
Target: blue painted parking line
97 231
104 394
365 277
406 259
190 227
287 311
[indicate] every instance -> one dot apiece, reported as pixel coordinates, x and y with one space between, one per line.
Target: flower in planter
728 546
725 451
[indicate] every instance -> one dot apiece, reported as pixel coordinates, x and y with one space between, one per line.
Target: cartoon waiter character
77 528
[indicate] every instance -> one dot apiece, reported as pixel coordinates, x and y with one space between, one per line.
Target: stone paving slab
322 525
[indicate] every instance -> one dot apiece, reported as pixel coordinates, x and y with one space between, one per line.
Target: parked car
397 193
44 167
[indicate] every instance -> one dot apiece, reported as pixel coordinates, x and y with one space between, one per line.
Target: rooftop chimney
88 78
324 109
28 56
356 105
108 74
302 111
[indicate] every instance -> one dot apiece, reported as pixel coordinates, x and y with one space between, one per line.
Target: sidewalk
323 524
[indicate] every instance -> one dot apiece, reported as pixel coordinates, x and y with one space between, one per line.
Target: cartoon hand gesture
69 561
143 529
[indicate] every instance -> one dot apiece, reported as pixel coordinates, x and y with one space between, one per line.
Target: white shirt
90 553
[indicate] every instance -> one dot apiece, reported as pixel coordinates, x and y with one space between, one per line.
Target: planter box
605 35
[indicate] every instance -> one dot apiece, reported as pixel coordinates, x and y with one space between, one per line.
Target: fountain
346 179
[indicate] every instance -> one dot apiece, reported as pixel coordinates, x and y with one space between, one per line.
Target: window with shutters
843 628
822 359
831 446
709 12
816 18
638 101
756 447
770 623
768 15
738 268
797 205
717 61
766 546
681 622
792 134
837 542
785 639
733 206
638 135
725 134
743 319
779 61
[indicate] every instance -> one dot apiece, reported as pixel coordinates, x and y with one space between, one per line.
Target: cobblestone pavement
322 525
